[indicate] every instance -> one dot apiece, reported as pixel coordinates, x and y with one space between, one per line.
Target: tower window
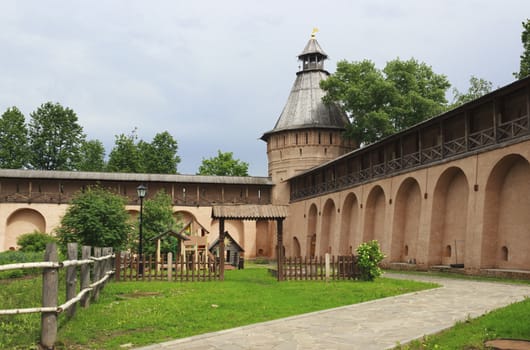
330 138
296 139
319 138
306 138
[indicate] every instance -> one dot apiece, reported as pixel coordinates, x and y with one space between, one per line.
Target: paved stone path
378 324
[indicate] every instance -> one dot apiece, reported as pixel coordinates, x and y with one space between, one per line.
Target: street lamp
141 191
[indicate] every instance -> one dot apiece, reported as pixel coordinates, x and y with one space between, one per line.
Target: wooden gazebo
250 212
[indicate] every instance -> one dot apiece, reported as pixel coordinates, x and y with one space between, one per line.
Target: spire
313 56
304 108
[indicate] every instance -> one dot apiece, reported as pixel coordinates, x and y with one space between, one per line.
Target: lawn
143 313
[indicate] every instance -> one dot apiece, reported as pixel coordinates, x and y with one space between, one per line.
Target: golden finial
314 32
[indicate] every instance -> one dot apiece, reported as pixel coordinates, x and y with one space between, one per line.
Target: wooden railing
131 268
102 261
511 130
326 267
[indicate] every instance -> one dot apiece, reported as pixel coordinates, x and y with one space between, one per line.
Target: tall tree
125 157
92 156
158 218
477 87
524 67
381 103
96 217
14 151
223 164
55 138
160 156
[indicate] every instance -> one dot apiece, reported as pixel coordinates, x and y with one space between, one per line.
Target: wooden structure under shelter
250 212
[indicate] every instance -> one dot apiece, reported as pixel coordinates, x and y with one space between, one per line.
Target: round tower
308 132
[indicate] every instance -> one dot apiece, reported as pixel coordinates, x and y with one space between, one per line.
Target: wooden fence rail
89 288
168 268
320 268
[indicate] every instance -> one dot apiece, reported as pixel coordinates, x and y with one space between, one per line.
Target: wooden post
326 257
97 273
50 287
169 266
221 249
71 278
85 274
117 265
279 242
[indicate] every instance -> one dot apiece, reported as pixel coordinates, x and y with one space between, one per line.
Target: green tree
92 156
477 87
158 218
14 151
159 156
96 217
125 156
524 66
55 138
223 164
381 103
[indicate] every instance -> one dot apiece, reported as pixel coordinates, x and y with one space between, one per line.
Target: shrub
14 257
369 256
34 242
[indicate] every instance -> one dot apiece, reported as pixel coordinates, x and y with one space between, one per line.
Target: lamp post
141 191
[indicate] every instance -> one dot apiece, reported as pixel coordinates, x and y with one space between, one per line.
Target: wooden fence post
71 278
85 274
169 266
326 258
97 273
50 286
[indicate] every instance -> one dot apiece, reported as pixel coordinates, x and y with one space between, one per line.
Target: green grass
151 312
460 276
512 322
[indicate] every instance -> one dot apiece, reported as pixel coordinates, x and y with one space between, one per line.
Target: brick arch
505 237
311 229
374 216
349 223
296 250
407 211
22 221
327 230
449 218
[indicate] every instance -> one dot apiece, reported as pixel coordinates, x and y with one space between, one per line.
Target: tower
308 132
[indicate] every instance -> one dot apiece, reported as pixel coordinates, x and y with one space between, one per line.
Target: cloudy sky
216 74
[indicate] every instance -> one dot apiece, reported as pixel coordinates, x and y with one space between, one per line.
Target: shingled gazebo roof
249 212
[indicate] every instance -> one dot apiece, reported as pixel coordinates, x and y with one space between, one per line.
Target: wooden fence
320 268
201 268
91 283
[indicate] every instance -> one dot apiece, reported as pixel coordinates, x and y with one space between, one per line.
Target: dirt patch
508 344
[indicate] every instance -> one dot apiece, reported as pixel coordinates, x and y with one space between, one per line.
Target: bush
34 242
369 256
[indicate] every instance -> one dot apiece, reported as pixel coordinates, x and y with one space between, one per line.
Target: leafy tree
477 87
223 165
34 242
524 67
96 217
381 103
14 151
158 218
160 156
92 156
125 157
55 138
